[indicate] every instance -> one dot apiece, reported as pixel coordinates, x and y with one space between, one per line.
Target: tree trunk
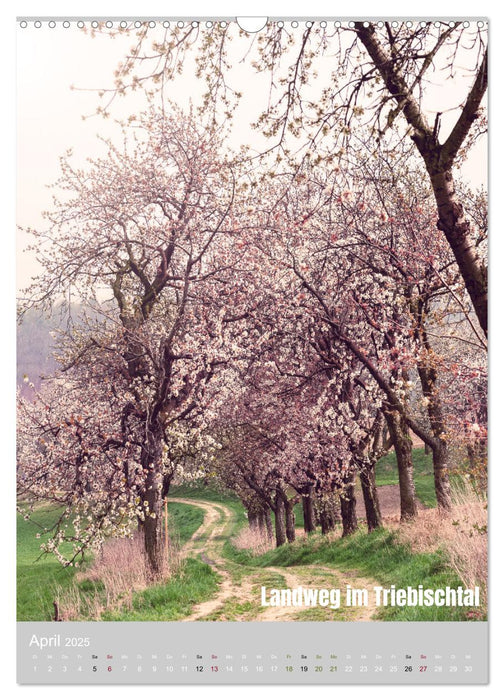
439 159
269 526
280 534
327 524
253 520
348 505
402 445
153 524
290 520
441 479
478 458
454 223
327 514
429 381
261 523
367 476
308 511
153 495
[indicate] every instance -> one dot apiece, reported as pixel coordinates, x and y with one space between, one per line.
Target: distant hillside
35 343
34 348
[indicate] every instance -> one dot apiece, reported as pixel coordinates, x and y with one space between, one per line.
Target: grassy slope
378 555
423 475
38 579
199 490
174 599
196 581
184 521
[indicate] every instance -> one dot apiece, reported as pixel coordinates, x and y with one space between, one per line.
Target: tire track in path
207 544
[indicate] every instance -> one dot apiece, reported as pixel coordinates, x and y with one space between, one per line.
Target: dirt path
239 594
206 544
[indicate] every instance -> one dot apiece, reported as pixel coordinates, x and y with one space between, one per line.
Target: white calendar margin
7 286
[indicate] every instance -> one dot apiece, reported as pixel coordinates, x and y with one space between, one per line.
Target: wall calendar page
252 350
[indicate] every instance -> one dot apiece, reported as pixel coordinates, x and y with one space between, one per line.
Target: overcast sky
49 112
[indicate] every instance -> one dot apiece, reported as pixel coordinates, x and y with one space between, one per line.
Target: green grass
174 599
38 576
235 609
198 489
206 492
378 555
423 475
184 520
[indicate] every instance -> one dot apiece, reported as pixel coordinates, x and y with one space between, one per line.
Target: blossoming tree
136 238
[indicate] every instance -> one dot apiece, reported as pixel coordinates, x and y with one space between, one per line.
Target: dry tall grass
461 533
254 539
117 572
257 540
